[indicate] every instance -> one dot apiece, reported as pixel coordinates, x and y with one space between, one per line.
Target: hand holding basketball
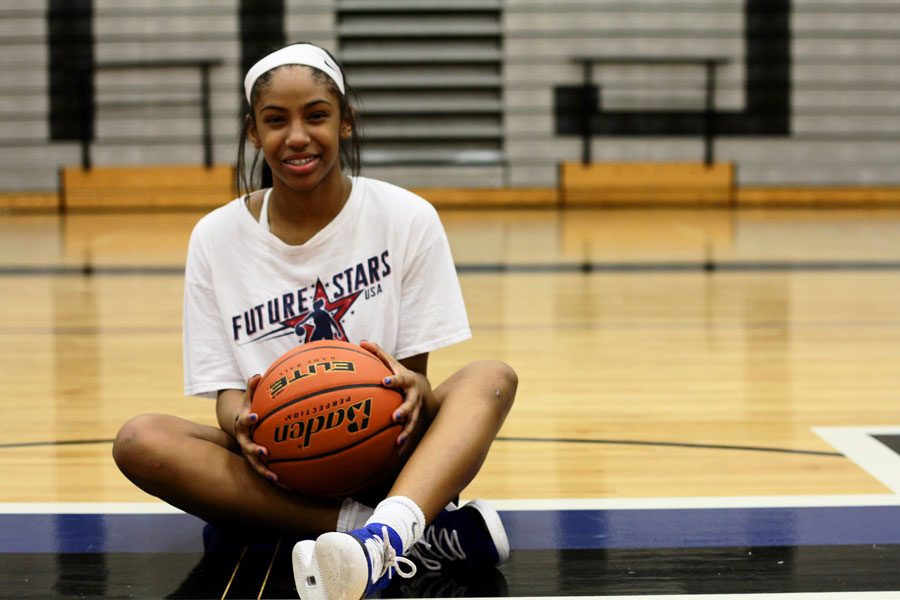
243 425
326 419
415 388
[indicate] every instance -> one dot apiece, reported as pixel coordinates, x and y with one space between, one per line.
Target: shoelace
381 547
436 546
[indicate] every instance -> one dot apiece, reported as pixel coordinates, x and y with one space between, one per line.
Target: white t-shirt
381 270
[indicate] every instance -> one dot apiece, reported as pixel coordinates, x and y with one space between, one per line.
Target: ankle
403 517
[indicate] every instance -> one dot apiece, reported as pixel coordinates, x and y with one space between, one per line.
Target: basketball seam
326 391
303 349
336 450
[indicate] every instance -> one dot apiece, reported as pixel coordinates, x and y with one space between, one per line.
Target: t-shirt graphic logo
324 321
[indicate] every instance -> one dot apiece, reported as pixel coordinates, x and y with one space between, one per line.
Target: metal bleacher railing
591 101
204 66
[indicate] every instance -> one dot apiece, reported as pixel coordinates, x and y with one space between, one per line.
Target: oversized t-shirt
381 270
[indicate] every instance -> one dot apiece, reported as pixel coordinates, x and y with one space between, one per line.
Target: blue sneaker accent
471 536
382 555
348 566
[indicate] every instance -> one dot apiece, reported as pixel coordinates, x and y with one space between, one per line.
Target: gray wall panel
844 94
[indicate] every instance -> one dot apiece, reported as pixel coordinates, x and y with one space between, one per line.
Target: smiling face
296 122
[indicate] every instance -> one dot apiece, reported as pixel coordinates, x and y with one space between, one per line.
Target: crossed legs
199 469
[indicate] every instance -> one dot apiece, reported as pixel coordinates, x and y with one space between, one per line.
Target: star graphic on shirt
305 323
328 317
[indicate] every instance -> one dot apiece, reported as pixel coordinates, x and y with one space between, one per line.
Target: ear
346 127
346 130
252 133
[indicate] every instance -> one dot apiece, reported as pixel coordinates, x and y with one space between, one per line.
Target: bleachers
465 93
430 77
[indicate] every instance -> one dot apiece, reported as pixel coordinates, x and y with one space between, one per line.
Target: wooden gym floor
709 403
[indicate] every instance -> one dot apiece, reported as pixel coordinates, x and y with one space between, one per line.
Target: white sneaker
348 566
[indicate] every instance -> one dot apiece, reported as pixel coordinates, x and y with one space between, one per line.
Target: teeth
299 162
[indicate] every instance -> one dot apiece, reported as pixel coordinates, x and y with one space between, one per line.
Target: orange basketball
326 418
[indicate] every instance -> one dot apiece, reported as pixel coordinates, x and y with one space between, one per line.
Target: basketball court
677 221
707 406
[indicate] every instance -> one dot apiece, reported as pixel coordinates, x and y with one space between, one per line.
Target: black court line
76 330
493 268
521 439
680 267
624 325
794 325
55 443
89 270
670 445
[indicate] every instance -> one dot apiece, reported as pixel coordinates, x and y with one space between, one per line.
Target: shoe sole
334 567
495 527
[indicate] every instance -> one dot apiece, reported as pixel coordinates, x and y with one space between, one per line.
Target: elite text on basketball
280 384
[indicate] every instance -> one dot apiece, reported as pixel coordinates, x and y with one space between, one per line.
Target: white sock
403 516
353 515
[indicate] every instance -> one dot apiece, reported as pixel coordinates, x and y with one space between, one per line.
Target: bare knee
139 445
507 382
500 381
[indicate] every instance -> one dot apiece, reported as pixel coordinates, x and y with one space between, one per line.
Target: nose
297 134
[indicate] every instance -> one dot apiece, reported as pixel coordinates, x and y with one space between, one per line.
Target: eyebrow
309 104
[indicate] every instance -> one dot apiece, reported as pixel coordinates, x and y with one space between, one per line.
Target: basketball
326 418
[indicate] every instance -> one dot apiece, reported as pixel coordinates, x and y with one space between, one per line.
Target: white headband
298 54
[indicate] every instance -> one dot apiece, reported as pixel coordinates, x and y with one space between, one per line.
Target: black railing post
71 73
206 107
88 116
587 113
709 133
205 67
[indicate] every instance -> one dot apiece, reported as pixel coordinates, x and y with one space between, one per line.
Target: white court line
857 444
113 508
87 508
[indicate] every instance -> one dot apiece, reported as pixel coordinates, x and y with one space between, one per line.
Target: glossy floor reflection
705 549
